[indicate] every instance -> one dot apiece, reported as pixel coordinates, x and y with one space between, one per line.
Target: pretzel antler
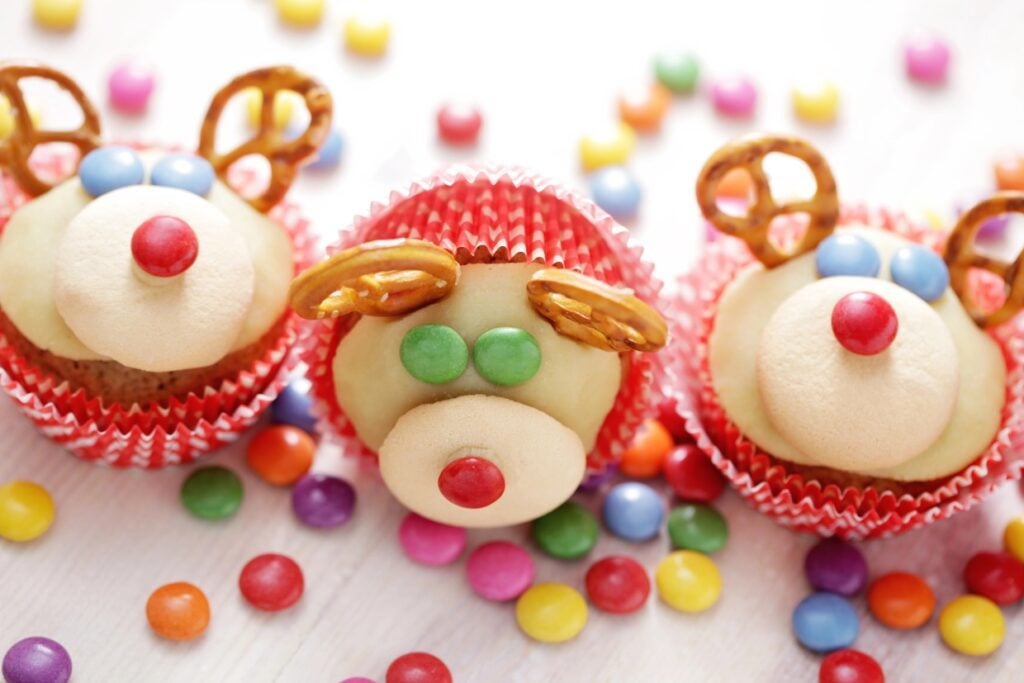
748 153
283 155
17 147
961 257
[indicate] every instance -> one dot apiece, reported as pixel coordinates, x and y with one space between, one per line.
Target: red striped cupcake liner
486 215
156 435
770 484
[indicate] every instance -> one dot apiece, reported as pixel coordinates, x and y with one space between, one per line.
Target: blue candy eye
919 270
184 172
846 254
107 169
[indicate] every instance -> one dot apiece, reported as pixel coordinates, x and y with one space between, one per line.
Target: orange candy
281 454
901 600
644 110
178 611
736 184
646 454
1010 172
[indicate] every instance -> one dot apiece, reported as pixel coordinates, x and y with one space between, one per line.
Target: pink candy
500 571
927 58
734 96
429 542
130 86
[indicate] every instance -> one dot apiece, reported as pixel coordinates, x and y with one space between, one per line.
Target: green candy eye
434 354
506 355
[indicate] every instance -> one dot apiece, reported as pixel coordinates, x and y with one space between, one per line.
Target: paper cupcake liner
771 485
181 429
504 215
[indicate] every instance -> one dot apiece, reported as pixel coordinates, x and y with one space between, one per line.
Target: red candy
864 323
418 667
164 246
471 482
459 124
850 666
996 576
271 582
692 476
618 584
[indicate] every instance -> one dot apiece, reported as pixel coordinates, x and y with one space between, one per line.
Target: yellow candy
688 581
57 14
818 103
551 612
367 38
26 511
607 148
7 117
300 12
285 102
972 625
1013 538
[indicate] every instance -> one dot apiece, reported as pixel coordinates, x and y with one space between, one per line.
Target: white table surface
544 72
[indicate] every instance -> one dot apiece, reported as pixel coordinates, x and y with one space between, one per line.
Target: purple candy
836 567
37 660
595 480
993 228
293 407
323 501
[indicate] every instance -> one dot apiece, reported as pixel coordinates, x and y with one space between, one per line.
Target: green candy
506 355
677 72
567 532
434 354
693 526
212 493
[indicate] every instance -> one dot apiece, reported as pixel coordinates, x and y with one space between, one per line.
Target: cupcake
851 373
486 336
143 300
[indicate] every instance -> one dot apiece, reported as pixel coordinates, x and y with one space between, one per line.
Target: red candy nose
471 482
164 246
864 323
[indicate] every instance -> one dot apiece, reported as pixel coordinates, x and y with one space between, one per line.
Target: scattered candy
358 679
644 109
506 356
607 148
1013 538
972 625
500 571
927 58
294 406
303 13
434 354
271 582
185 172
26 511
616 191
992 228
688 581
280 454
837 567
37 660
551 612
429 542
329 154
920 270
847 254
367 38
1009 172
164 246
901 600
285 102
677 71
736 97
594 480
816 103
646 454
617 584
130 84
694 526
418 667
864 323
692 476
212 492
459 124
824 622
850 666
567 532
7 116
109 168
178 611
57 14
996 576
322 501
736 184
633 511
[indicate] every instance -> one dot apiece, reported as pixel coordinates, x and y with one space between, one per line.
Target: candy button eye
184 172
919 270
846 254
434 354
107 169
506 355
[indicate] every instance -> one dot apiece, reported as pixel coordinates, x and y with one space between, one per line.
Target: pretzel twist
284 156
595 313
753 227
382 278
16 148
961 257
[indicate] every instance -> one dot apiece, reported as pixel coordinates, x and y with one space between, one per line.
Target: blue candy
329 154
920 270
616 191
184 172
109 168
633 511
846 254
824 622
292 407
